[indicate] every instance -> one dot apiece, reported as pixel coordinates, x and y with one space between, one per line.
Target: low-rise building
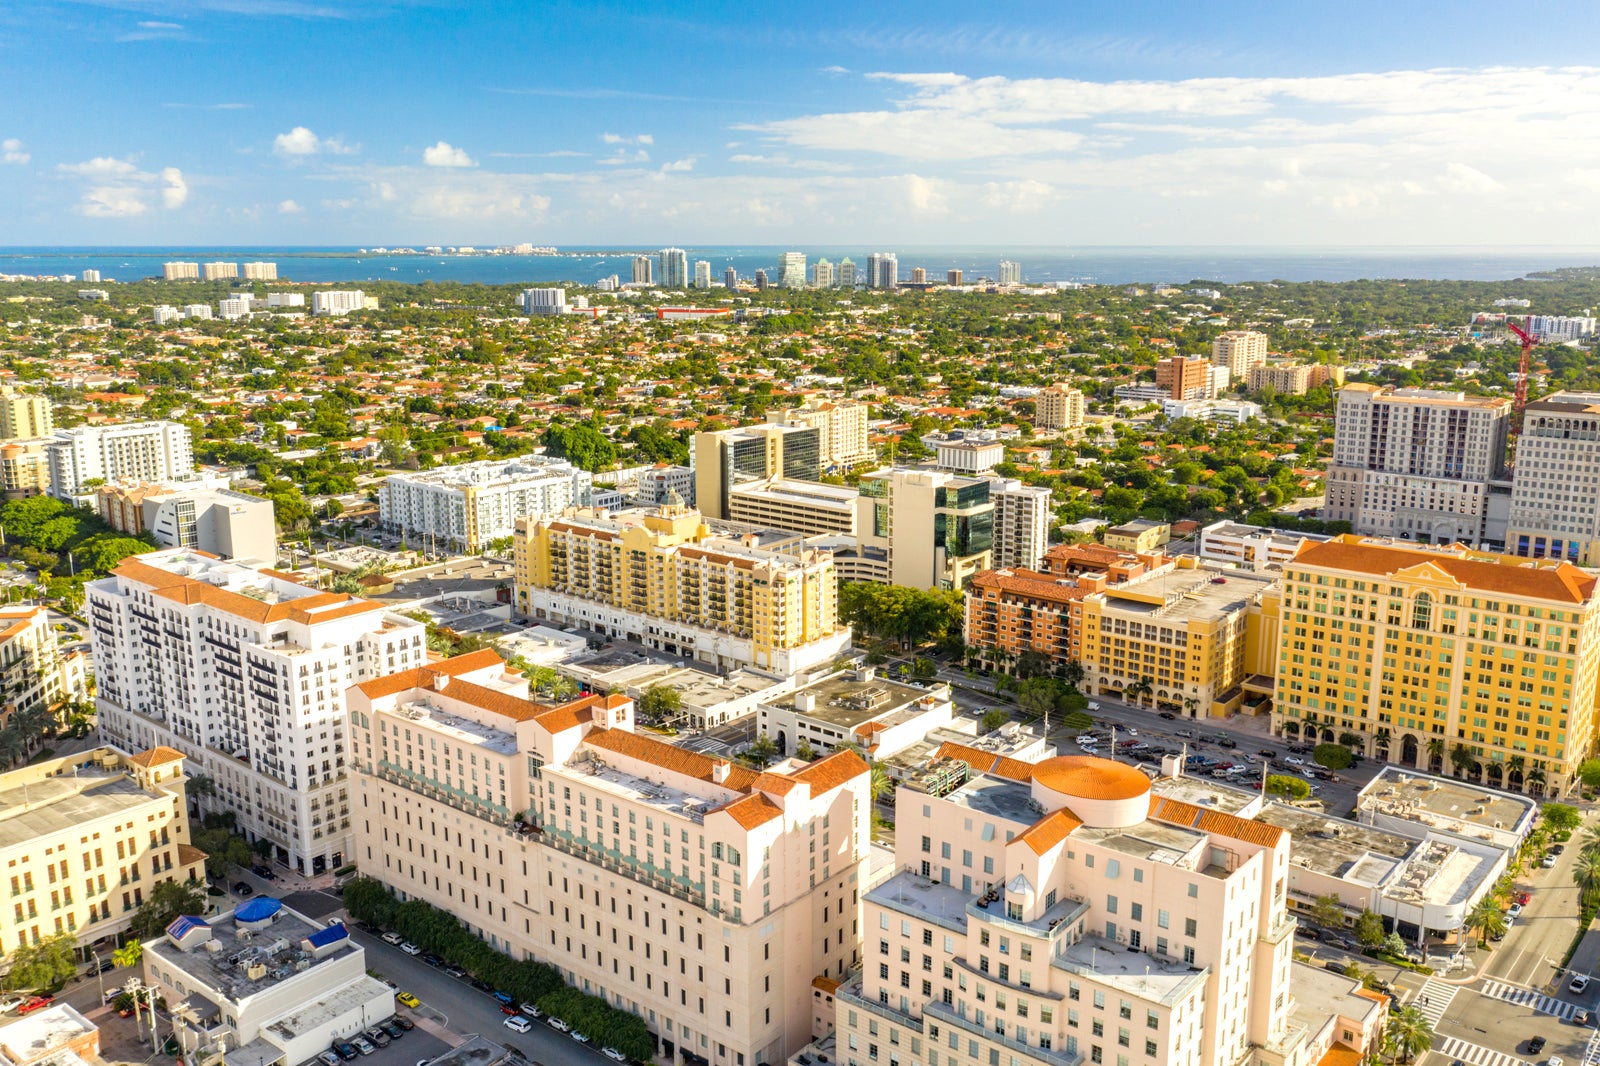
57 1035
1140 536
1252 547
221 521
263 985
1404 801
855 706
86 838
971 454
810 508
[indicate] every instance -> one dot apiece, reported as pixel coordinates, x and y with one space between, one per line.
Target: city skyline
1105 125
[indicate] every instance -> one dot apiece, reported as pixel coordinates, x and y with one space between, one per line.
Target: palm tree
880 784
1591 840
1435 752
1409 1034
1515 767
1487 918
1535 779
1586 875
128 956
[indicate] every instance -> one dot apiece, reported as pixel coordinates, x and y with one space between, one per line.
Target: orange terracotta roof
656 752
1339 1055
1210 821
188 855
1509 575
1050 830
827 774
1091 777
986 762
826 984
752 810
157 756
423 677
1029 583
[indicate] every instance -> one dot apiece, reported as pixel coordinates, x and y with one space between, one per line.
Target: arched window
1421 611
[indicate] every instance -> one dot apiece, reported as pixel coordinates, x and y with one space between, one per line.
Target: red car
36 1003
506 1008
1523 897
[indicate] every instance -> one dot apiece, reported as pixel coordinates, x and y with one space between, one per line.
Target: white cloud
115 201
445 155
300 141
289 207
624 158
617 138
174 190
679 166
100 167
11 151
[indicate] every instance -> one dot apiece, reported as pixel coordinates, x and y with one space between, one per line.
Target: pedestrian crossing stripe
1527 997
1434 999
1475 1055
1591 1054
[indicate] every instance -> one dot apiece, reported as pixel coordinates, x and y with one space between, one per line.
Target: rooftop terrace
226 969
1148 975
464 730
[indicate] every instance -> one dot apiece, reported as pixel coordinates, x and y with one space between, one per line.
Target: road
1534 947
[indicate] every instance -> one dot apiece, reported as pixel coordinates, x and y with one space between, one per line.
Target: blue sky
1077 122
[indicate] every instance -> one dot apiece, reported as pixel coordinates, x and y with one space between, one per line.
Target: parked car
1557 849
1523 897
1267 753
579 1037
433 960
263 872
506 999
1548 862
410 949
1294 760
406 999
507 1008
345 1050
613 1054
517 1023
1168 715
455 971
391 1029
33 1003
1514 912
363 1045
328 1058
559 1025
404 1024
393 938
242 889
1536 1045
11 1003
1578 983
377 1036
532 1010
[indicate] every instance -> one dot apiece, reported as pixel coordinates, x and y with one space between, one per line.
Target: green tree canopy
167 901
1332 756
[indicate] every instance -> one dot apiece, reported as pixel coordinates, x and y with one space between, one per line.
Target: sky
608 124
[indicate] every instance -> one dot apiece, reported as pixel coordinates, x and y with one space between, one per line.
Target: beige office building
24 415
932 529
841 426
1059 407
87 838
1293 379
1239 350
807 507
700 895
729 457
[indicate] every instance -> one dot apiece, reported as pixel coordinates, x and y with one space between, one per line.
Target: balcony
949 1016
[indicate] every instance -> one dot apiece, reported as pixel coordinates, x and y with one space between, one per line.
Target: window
1188 927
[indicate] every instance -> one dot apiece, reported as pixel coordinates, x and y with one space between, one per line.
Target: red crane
1522 376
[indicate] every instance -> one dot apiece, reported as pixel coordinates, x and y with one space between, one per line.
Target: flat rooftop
34 1036
464 730
1151 977
1337 847
1209 793
60 804
848 702
805 493
474 1051
917 896
277 947
1320 994
998 798
1443 803
663 797
1152 841
1181 595
320 1013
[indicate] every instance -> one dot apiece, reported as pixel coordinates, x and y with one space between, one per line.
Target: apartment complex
1059 407
87 838
338 302
1178 638
1251 547
1416 463
1065 912
24 415
1021 524
883 271
35 675
674 272
25 468
841 427
259 271
138 451
1293 379
1010 272
466 507
1010 612
245 672
1555 486
662 579
216 520
1561 328
1421 651
702 896
729 457
1181 378
544 301
1240 350
932 529
180 271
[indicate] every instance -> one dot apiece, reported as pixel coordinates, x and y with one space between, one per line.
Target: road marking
1474 1055
1433 999
1591 1054
1527 997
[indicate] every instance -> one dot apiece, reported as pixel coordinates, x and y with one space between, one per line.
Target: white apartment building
659 483
34 673
1415 463
1063 912
245 672
164 314
286 299
643 270
234 307
465 507
1059 407
847 273
140 451
1240 350
674 272
883 271
1555 485
544 301
219 271
792 270
841 429
1236 411
1021 524
259 271
180 271
1251 547
200 311
975 453
702 274
822 274
89 276
700 895
1560 328
203 514
338 302
97 295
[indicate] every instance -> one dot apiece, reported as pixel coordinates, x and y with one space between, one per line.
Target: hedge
368 901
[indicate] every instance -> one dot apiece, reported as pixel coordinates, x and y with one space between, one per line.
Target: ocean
1040 265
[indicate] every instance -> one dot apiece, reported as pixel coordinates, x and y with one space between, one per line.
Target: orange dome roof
1091 777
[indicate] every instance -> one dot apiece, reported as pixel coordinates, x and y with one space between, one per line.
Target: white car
613 1054
559 1025
410 949
1294 760
1548 863
1516 912
1578 983
517 1023
393 938
579 1037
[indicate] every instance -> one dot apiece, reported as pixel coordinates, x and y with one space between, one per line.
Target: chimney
440 680
719 772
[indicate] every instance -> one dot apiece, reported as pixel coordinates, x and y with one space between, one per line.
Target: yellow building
24 468
1442 658
85 839
1141 536
24 415
1177 638
34 673
662 579
1059 407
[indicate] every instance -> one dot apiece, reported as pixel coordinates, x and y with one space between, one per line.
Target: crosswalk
1591 1054
1475 1055
1527 997
1433 999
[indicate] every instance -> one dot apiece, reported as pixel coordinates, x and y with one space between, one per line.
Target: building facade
1555 485
1442 656
810 508
219 271
138 451
35 674
338 302
644 267
244 671
729 457
259 271
841 426
231 524
1010 272
180 271
974 453
1021 524
674 273
468 506
1416 463
792 270
544 302
1059 407
663 580
1240 350
24 415
883 270
25 468
1181 378
88 838
1252 547
695 893
934 530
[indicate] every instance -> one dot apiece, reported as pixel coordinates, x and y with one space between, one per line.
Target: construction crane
1522 376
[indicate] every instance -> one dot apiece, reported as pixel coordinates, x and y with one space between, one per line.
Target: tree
994 719
1409 1034
763 751
167 901
128 955
1394 944
1461 758
1586 875
1038 696
660 705
1487 918
1290 787
1032 663
367 901
1589 773
880 783
1332 756
46 964
1561 818
1328 911
1369 929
